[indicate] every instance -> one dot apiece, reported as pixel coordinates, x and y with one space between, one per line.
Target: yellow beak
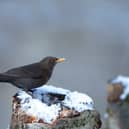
59 60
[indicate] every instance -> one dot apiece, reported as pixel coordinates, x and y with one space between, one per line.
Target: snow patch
36 107
124 80
78 101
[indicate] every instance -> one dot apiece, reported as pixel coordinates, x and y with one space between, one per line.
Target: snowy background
92 35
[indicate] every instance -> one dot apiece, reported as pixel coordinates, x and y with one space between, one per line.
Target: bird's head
50 62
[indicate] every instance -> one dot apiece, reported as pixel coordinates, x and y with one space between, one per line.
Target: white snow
78 101
35 107
124 80
23 96
48 89
38 109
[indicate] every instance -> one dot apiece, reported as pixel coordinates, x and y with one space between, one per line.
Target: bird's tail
6 78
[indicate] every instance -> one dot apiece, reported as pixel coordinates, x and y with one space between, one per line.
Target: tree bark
86 120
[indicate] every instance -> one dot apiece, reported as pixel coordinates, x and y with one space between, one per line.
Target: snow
124 80
42 111
78 101
38 92
35 107
38 109
23 96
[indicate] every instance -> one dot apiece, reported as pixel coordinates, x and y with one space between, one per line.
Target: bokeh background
93 35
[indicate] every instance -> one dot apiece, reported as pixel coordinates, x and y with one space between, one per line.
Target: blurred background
92 35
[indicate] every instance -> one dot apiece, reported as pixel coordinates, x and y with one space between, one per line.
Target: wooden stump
86 120
117 109
66 118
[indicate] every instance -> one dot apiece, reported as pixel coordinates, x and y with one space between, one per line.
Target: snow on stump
117 114
49 107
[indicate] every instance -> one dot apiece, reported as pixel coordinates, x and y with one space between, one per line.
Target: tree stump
67 117
117 114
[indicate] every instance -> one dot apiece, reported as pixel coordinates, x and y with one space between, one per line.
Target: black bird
31 76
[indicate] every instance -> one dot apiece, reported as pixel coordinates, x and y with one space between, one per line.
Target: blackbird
31 76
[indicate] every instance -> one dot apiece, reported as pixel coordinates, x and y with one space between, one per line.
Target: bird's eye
52 60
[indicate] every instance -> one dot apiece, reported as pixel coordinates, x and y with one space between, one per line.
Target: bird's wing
27 71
